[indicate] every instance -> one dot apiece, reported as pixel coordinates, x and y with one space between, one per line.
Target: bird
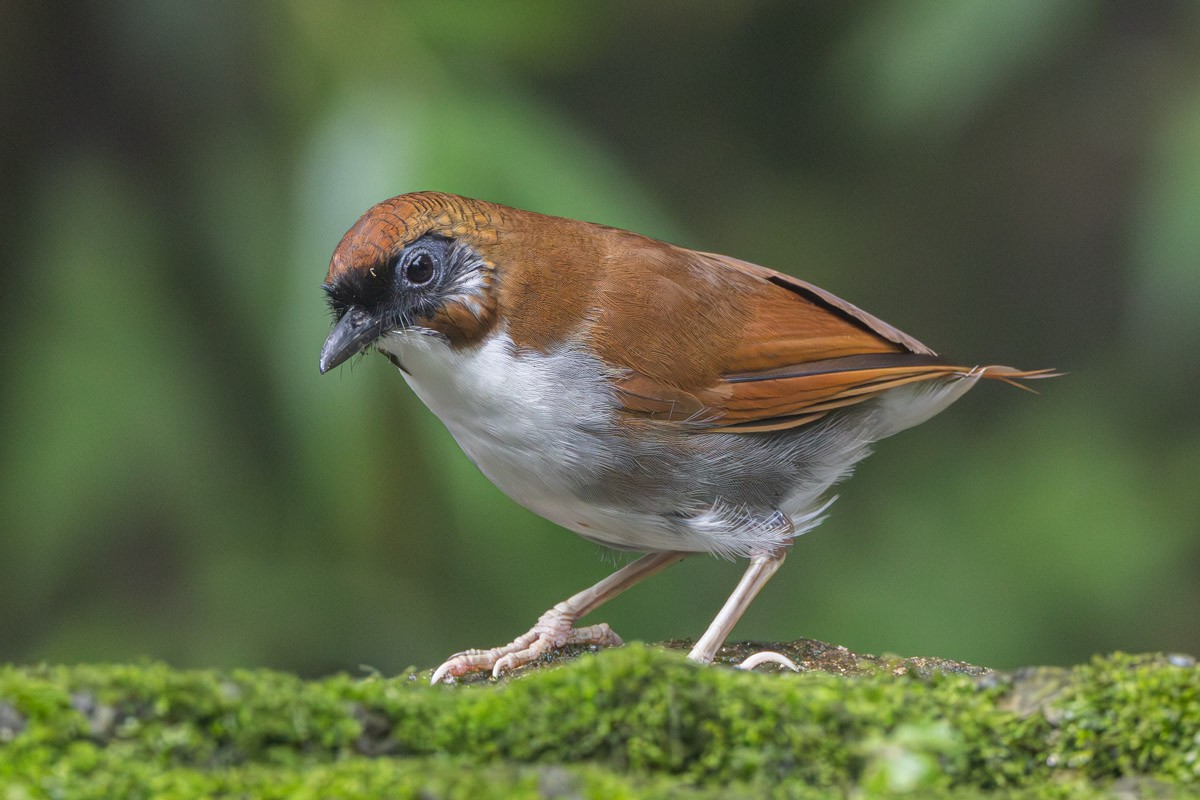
648 397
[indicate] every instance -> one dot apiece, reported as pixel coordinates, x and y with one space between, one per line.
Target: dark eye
420 269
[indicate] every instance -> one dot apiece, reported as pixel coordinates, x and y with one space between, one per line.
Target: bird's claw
552 631
768 657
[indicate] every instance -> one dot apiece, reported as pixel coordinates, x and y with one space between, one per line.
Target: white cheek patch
471 277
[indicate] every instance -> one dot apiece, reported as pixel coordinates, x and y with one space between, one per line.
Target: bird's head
412 263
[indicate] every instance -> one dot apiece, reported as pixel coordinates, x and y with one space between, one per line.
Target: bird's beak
352 334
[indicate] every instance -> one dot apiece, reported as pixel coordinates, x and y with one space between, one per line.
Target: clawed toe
552 632
768 657
465 663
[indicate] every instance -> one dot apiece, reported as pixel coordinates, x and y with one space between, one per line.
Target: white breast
532 423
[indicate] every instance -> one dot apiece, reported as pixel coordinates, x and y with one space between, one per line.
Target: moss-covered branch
632 722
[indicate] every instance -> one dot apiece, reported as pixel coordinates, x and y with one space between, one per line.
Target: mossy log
637 721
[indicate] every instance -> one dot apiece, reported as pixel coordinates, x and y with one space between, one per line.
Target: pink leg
753 580
555 628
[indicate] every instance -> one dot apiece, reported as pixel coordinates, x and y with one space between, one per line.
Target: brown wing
721 344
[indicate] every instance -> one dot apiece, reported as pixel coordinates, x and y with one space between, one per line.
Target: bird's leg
555 628
753 580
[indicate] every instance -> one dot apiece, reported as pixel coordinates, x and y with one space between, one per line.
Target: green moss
632 722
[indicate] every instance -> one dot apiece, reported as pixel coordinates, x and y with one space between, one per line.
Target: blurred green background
1012 182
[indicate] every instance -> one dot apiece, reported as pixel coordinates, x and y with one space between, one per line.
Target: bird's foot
768 657
554 629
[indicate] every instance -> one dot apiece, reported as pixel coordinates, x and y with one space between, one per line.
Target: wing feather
766 351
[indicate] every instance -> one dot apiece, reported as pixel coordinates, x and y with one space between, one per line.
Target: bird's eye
420 269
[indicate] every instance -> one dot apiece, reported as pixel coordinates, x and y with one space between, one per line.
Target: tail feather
1013 377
